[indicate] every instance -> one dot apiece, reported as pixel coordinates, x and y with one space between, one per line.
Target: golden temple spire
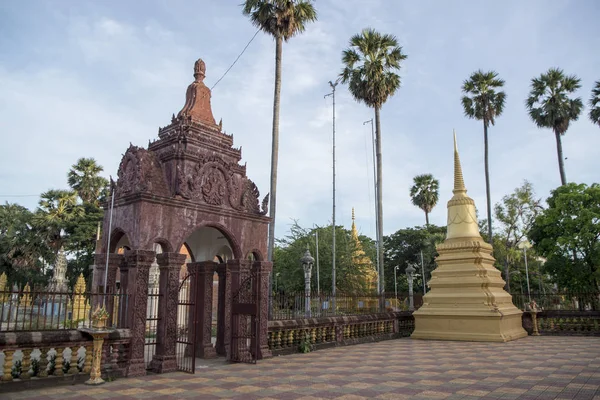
354 230
459 182
462 217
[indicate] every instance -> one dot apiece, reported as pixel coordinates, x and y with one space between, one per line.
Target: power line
236 60
19 195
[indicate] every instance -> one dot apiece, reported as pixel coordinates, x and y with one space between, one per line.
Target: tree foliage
550 106
595 104
567 233
404 247
84 179
484 101
288 269
425 193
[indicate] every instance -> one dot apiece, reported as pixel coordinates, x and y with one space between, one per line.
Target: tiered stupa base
467 300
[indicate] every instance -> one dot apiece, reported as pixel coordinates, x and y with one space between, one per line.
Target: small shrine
185 214
467 300
58 282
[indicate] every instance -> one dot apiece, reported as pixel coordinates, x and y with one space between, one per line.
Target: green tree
515 215
57 208
289 250
425 193
550 106
484 102
404 247
22 250
282 19
595 104
83 177
567 234
370 69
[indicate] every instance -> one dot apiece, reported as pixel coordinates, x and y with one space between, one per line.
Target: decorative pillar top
197 98
462 217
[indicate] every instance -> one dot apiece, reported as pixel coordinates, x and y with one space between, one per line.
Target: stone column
114 261
166 333
137 268
204 271
223 310
263 269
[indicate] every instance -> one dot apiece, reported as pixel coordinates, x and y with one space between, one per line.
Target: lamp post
410 271
307 262
526 245
396 283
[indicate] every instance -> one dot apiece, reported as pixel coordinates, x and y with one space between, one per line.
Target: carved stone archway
189 176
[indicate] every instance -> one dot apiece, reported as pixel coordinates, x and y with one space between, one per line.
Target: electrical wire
236 60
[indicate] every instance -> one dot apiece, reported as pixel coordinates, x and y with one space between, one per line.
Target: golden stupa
466 300
362 262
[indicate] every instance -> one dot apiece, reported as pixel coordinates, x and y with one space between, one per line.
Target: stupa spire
462 217
459 182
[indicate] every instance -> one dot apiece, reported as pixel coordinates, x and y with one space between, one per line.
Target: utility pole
317 246
377 238
332 94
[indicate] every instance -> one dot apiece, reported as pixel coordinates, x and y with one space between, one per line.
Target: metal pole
527 273
395 283
376 215
317 245
112 206
423 273
333 280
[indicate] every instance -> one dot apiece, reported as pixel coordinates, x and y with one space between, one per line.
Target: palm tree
370 66
56 209
84 179
282 19
595 104
550 107
482 101
425 193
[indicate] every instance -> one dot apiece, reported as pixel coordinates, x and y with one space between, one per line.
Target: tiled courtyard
531 368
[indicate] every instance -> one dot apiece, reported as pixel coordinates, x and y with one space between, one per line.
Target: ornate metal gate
245 317
185 345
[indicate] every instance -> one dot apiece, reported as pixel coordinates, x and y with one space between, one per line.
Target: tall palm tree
370 68
282 19
484 102
425 193
84 179
595 104
56 209
550 106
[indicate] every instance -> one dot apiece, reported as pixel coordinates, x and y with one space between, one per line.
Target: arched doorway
207 249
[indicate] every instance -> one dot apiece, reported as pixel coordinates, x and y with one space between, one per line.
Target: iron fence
559 301
23 310
293 305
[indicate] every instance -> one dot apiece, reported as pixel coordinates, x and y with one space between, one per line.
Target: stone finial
199 70
352 214
197 98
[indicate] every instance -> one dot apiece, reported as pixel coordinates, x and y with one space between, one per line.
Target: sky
87 78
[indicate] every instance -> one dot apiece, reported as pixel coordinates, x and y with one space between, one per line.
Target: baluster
270 335
313 336
277 339
290 338
58 362
87 363
73 364
43 362
25 364
8 362
346 331
320 334
115 356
